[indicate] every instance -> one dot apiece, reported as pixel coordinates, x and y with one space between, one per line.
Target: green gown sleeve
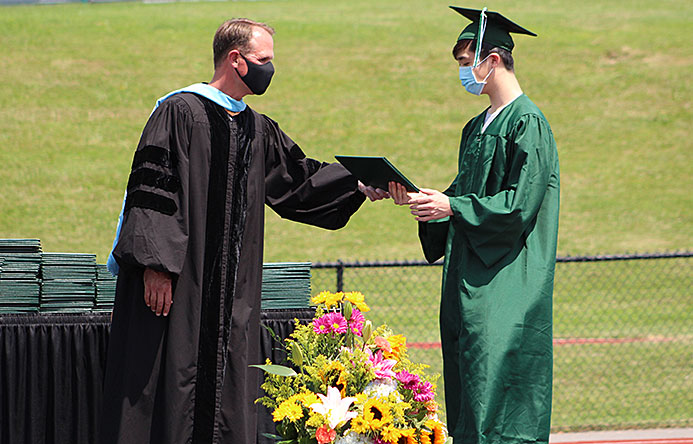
494 224
434 234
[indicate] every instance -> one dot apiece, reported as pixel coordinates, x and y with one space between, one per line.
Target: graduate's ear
495 60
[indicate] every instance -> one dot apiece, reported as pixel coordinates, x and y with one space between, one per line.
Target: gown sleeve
306 190
434 234
154 232
495 224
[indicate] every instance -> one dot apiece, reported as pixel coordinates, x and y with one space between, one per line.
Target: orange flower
407 436
382 344
425 437
325 435
438 434
398 343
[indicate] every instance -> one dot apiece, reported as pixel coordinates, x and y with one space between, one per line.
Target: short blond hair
235 34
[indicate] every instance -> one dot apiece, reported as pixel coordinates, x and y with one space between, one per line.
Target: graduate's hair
235 34
486 49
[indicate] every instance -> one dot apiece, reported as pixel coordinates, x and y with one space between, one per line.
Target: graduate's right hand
399 193
157 291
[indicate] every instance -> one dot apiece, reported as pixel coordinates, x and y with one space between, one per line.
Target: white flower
334 408
380 388
353 438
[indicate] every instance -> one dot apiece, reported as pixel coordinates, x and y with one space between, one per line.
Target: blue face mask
469 81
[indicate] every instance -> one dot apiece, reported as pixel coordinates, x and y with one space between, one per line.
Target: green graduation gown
500 254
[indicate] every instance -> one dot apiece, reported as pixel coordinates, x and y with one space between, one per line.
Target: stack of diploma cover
285 285
68 282
105 289
19 283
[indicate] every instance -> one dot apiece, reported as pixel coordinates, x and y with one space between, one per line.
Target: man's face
261 50
465 57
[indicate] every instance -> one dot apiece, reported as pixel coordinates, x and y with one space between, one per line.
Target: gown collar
211 93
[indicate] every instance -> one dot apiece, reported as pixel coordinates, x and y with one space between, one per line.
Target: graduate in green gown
496 226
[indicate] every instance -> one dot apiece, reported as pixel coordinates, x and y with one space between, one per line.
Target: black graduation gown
195 209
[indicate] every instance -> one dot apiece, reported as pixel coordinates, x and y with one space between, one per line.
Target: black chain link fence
623 332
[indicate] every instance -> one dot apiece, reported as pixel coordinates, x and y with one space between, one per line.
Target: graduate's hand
157 291
372 193
430 205
399 193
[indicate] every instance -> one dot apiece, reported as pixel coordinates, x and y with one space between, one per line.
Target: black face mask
258 77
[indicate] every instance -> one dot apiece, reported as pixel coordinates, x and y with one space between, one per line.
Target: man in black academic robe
190 249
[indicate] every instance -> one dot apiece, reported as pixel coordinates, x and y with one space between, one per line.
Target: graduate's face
486 67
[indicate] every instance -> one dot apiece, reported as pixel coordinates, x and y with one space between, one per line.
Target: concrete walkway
651 436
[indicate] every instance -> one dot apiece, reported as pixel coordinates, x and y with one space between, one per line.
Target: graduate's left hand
430 205
373 193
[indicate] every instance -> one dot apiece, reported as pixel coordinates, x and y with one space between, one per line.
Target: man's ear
234 56
495 60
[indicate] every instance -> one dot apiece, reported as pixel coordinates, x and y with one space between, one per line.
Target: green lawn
354 77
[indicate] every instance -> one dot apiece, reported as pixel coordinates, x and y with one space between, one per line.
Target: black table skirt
51 374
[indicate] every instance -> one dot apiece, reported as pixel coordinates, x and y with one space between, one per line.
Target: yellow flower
425 437
398 344
320 298
291 407
342 383
333 299
407 436
358 300
307 399
390 434
359 425
376 414
331 373
437 431
288 410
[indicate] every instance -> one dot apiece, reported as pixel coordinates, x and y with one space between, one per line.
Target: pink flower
382 367
330 323
423 392
408 380
356 321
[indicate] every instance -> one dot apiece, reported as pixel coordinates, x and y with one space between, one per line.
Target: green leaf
449 440
275 369
272 436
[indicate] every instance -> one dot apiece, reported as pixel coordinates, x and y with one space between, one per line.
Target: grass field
364 77
354 77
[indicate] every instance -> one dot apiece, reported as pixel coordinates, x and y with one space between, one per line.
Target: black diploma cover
376 172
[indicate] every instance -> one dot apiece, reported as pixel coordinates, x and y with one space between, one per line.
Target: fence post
340 276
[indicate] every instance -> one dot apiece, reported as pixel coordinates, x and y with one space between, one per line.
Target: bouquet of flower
350 383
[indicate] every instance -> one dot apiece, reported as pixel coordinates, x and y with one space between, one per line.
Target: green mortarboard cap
498 28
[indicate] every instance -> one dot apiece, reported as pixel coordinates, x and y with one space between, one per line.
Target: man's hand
430 205
399 193
372 193
157 291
